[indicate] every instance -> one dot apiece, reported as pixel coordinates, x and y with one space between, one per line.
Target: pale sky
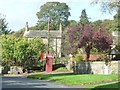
18 12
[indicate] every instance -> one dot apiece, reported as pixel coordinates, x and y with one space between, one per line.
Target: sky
18 12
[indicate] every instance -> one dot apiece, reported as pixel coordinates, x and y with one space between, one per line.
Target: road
17 82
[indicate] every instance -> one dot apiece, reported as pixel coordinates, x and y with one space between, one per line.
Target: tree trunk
87 49
87 53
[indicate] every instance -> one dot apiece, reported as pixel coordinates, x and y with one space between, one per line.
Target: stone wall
97 67
12 70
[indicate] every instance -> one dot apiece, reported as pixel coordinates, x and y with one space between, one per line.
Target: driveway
17 82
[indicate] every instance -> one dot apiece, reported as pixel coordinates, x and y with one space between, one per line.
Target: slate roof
42 33
114 52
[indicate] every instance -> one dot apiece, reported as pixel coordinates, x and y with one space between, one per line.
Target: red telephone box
49 58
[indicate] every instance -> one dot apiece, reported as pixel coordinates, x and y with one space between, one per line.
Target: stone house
115 54
55 38
116 35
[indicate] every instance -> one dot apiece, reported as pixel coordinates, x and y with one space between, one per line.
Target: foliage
0 47
88 37
58 12
21 51
110 5
83 18
94 51
3 25
75 79
19 33
107 5
41 25
73 23
7 50
109 25
97 23
62 69
78 58
71 36
118 45
61 60
117 16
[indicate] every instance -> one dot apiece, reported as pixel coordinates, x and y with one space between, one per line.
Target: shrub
78 58
61 69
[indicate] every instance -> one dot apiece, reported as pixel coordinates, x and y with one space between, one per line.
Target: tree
83 18
118 45
117 16
58 12
41 25
73 23
3 25
109 25
97 23
71 36
19 33
21 51
108 5
88 37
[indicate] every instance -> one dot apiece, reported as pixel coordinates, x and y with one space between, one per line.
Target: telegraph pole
48 34
118 16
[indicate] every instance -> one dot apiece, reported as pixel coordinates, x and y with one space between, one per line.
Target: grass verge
114 85
76 79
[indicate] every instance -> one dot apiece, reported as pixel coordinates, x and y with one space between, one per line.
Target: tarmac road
23 83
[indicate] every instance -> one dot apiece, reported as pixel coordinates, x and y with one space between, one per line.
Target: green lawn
76 79
110 85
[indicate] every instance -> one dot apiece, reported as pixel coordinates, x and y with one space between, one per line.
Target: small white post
105 69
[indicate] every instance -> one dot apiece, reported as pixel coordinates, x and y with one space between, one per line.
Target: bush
21 51
61 69
78 58
61 60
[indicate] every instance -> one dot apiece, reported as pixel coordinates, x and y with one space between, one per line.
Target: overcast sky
18 12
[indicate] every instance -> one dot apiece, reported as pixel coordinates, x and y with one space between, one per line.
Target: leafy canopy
58 12
88 37
108 5
55 10
21 51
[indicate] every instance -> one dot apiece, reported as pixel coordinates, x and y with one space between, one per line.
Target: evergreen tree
3 25
84 18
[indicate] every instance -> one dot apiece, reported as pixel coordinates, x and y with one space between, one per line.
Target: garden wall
97 67
11 70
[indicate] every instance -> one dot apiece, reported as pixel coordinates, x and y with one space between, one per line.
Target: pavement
28 74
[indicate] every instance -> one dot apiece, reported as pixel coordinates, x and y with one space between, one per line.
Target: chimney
60 29
26 27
